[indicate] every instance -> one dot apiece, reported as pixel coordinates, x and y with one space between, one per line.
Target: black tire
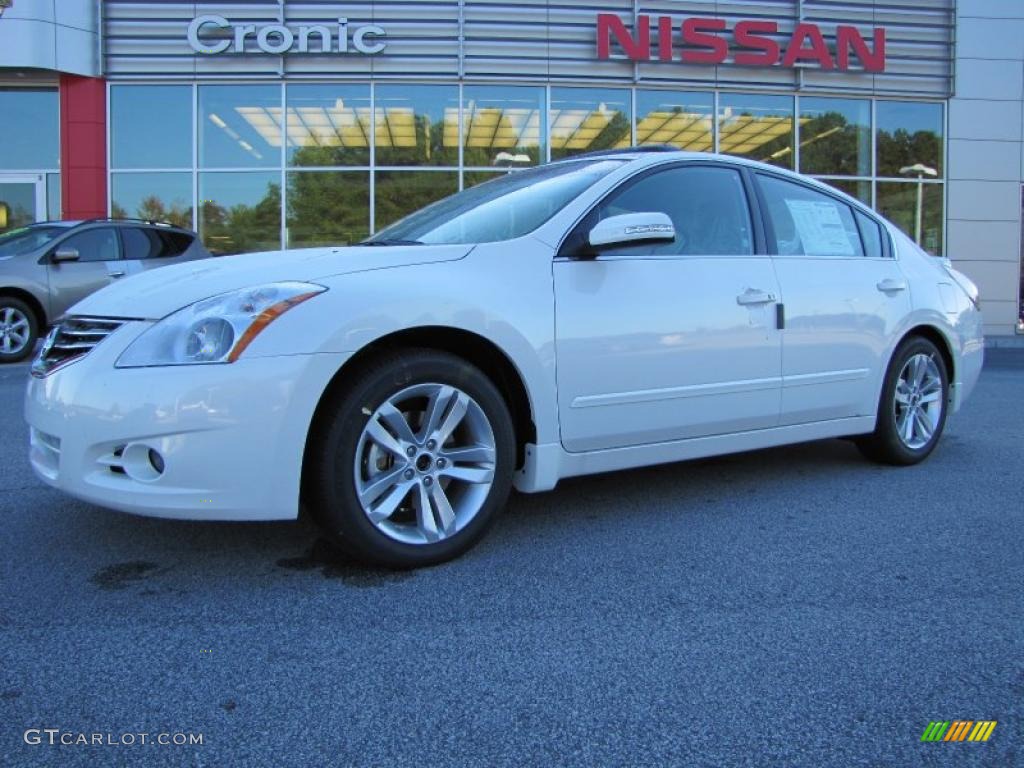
23 310
885 445
330 487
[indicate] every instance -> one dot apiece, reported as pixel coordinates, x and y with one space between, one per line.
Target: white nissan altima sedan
594 314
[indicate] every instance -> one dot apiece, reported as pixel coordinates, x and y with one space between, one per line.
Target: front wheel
18 330
912 410
412 461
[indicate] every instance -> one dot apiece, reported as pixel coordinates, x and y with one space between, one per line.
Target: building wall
530 39
986 155
58 35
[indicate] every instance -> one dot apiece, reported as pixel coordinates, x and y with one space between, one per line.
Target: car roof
65 224
70 223
656 154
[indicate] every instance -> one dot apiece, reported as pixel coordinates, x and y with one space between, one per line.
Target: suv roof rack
151 222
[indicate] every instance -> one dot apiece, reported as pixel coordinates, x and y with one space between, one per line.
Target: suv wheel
18 330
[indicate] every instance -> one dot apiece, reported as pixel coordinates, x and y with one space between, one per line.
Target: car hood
156 293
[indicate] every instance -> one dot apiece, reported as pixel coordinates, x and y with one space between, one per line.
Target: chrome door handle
754 296
889 285
116 275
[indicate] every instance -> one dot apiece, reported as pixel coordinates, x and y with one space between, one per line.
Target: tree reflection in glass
328 208
240 212
835 136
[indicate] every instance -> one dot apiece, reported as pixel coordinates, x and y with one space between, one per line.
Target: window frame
754 207
888 252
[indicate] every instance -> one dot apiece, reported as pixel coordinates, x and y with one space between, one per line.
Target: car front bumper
230 438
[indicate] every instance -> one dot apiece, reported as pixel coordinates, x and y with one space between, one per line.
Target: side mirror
65 254
632 228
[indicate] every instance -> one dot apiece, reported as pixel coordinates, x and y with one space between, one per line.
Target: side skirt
546 464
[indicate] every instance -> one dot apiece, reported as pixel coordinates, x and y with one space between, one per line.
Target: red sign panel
707 41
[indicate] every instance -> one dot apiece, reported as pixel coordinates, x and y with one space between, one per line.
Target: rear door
843 296
98 265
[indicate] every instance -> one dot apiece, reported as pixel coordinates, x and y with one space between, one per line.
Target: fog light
157 461
142 463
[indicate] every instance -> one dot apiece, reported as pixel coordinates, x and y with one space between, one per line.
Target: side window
871 234
139 244
708 207
806 222
174 243
99 244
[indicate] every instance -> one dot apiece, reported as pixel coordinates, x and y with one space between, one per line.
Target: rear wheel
18 330
413 460
912 410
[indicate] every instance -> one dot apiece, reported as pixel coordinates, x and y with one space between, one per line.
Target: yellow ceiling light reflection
497 127
579 128
396 127
336 126
451 126
684 130
265 121
747 134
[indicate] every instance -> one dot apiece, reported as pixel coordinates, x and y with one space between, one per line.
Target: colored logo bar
958 730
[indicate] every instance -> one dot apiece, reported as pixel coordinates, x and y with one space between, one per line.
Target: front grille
71 339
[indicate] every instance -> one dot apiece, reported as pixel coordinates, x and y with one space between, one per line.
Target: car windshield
500 209
27 239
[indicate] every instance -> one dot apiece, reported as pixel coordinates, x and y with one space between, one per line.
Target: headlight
215 330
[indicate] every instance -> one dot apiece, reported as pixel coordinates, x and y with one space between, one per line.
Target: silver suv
47 267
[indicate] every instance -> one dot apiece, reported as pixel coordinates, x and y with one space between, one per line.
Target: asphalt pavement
791 607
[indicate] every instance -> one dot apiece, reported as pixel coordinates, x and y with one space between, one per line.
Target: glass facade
681 120
757 127
588 119
835 136
155 195
267 165
327 207
503 125
417 126
29 155
32 141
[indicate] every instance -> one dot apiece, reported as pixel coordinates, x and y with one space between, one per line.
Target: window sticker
820 228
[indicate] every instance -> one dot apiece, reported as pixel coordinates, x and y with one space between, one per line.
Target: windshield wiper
392 241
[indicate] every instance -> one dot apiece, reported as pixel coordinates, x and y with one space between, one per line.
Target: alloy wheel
14 330
918 401
424 463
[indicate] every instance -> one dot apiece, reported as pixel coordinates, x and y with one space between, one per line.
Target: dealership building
286 123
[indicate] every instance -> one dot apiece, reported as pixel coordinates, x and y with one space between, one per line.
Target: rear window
145 243
175 243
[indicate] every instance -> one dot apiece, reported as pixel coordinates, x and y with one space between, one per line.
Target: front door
22 200
98 264
667 341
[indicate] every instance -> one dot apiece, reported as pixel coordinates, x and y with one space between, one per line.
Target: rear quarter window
871 234
174 243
